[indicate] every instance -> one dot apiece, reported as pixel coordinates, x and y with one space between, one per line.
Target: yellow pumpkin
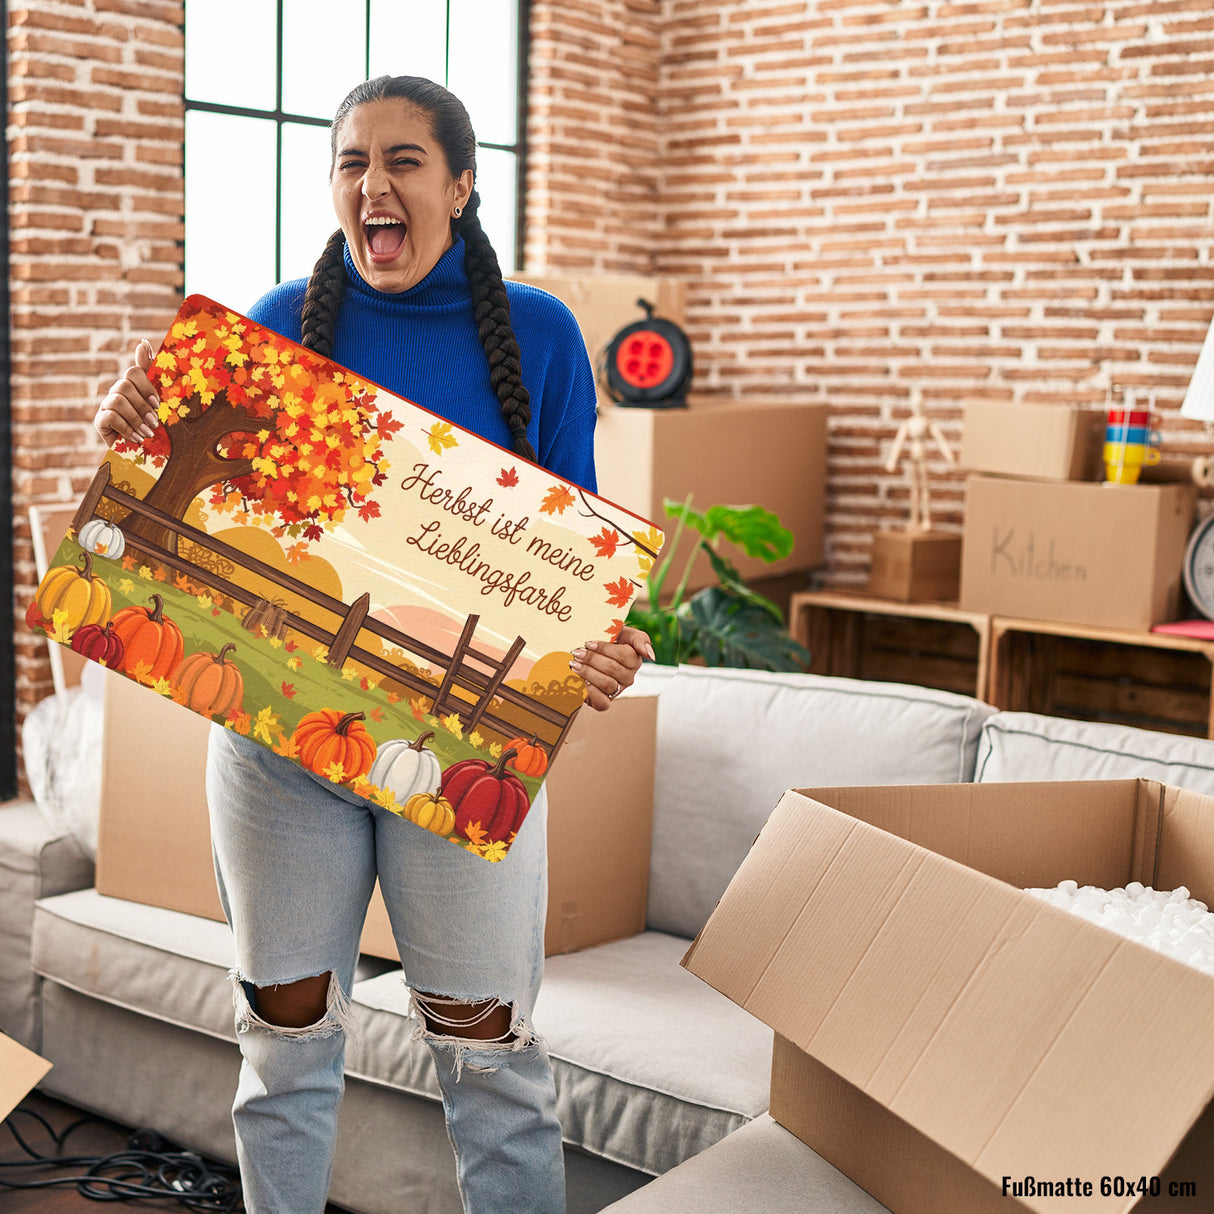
431 812
85 598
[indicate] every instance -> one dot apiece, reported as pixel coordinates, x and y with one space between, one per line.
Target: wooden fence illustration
487 685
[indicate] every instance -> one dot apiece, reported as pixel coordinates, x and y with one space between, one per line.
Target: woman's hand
129 408
609 667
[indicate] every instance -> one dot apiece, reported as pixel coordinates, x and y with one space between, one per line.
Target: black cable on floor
149 1170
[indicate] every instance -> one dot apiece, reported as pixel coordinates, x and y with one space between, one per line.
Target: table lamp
1199 404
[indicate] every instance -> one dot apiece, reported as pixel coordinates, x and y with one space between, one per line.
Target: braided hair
490 306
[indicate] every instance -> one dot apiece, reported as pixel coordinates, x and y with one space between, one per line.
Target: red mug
1132 417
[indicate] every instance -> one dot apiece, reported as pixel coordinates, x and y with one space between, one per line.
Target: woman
409 294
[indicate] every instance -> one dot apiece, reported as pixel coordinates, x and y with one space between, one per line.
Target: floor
84 1137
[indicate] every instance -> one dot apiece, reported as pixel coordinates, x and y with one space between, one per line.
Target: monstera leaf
732 631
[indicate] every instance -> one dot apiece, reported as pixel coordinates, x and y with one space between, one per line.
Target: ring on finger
618 688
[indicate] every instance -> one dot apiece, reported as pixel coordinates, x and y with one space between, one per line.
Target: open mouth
385 236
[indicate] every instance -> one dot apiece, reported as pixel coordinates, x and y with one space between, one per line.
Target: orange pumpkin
532 759
328 737
84 597
149 639
210 683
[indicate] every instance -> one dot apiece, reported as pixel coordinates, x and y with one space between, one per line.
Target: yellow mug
1123 462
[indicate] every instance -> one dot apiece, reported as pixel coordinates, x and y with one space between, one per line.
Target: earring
458 212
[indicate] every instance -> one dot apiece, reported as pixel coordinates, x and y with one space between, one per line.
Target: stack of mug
1130 444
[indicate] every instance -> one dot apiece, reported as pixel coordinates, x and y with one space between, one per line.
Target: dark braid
318 318
491 308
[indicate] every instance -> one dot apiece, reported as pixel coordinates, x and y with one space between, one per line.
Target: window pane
497 184
231 52
482 68
409 38
307 207
229 248
324 49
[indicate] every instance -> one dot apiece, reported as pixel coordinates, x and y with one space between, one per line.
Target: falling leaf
296 553
377 713
348 673
126 586
365 683
387 798
335 772
276 642
145 573
493 852
321 653
614 629
60 631
362 787
181 582
286 746
393 697
508 478
294 663
619 593
476 740
651 539
128 563
453 725
418 709
142 672
441 438
495 749
266 720
162 687
239 721
159 574
205 602
475 833
606 542
291 646
557 500
288 690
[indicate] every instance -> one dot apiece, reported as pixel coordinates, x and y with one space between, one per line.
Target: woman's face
394 194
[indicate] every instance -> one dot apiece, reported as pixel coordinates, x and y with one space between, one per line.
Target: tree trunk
193 464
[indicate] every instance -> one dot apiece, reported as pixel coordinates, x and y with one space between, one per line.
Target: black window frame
280 117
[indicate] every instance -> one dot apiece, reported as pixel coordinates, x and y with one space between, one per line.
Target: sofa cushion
760 1167
652 1066
1018 746
36 860
731 742
158 962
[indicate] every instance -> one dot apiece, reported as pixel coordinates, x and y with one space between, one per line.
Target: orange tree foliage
275 431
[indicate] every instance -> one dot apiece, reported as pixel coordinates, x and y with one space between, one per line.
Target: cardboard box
20 1070
915 566
603 304
600 796
938 1029
1105 555
737 453
1050 442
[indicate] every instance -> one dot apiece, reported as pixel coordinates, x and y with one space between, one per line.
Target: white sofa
653 1068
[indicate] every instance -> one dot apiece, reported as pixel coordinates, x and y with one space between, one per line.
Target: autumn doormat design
365 588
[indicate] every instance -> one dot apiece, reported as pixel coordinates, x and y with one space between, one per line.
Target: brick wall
987 200
95 196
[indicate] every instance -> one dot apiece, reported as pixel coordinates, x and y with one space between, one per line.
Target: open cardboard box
154 844
20 1071
1052 442
939 1031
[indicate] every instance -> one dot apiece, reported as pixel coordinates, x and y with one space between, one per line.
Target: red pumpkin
532 759
329 737
99 644
490 798
149 639
210 683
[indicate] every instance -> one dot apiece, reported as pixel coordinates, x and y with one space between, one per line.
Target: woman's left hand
609 667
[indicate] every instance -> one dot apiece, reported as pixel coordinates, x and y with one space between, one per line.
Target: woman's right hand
129 409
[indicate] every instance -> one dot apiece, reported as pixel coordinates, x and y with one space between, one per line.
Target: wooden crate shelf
860 636
1146 679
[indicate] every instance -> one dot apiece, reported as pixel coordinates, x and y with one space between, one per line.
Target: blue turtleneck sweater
422 344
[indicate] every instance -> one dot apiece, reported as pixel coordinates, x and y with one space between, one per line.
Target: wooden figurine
913 434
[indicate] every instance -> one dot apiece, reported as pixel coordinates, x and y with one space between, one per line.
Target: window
262 80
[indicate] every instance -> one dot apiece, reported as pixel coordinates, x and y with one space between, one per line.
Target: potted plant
728 624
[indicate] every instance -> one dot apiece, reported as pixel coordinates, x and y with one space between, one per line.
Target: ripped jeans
296 859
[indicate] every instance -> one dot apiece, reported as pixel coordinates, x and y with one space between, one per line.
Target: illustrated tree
274 431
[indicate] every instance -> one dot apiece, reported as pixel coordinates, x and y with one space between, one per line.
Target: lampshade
1199 399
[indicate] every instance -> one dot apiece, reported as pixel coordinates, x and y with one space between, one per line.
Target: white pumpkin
406 768
102 538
